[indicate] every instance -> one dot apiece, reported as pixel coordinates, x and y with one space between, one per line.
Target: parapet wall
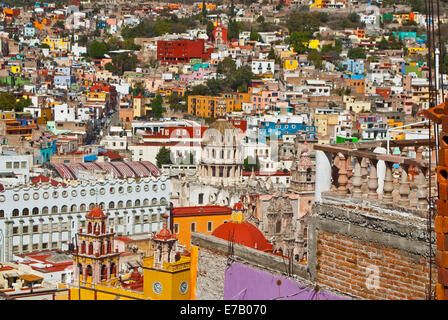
367 251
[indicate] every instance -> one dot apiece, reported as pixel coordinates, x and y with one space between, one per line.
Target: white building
260 67
44 216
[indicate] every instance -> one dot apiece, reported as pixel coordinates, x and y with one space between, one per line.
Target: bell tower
166 273
94 259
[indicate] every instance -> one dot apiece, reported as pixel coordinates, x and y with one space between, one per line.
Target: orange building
203 219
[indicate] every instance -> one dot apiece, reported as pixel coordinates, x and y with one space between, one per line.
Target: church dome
243 233
222 125
96 212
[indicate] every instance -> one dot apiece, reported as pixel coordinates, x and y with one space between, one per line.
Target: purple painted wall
245 283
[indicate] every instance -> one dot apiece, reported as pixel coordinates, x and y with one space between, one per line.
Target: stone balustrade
366 171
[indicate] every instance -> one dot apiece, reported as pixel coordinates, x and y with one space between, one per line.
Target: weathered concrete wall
220 278
210 275
361 249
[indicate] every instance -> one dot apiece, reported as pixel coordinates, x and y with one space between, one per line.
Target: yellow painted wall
291 64
184 234
170 280
193 271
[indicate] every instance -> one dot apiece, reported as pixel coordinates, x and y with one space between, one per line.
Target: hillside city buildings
220 150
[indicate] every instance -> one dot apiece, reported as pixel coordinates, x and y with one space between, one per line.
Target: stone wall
369 254
210 275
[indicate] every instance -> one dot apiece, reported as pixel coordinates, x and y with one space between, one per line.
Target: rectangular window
16 165
23 164
35 228
44 245
35 246
54 245
25 247
176 228
25 229
8 165
15 230
193 227
15 248
209 226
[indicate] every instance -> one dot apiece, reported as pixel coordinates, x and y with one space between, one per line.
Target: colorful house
203 219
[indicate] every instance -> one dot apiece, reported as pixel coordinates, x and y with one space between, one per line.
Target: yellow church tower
95 261
166 273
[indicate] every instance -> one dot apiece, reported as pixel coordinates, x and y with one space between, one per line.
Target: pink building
262 100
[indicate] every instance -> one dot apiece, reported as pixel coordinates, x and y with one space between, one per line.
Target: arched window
45 210
15 212
103 272
146 202
113 269
73 208
25 212
35 211
101 248
128 204
278 227
91 206
90 248
54 209
89 227
64 208
120 204
109 246
82 207
163 201
154 201
111 205
102 205
137 203
83 247
103 227
89 270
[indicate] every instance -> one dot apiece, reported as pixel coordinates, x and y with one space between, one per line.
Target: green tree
157 107
8 101
234 30
250 164
255 36
122 62
226 67
97 49
298 40
356 53
21 104
210 28
139 88
163 157
315 58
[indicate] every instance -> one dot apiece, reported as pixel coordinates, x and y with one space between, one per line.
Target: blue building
29 31
63 77
278 129
47 148
353 66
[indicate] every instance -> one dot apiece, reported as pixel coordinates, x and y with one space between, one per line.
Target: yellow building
15 69
215 106
291 64
166 275
61 44
203 219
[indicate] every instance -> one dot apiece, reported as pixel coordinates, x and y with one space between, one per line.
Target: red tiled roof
258 173
123 239
111 155
6 268
200 210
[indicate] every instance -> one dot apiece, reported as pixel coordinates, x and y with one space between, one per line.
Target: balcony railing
364 170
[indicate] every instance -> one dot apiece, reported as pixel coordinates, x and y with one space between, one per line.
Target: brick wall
369 270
